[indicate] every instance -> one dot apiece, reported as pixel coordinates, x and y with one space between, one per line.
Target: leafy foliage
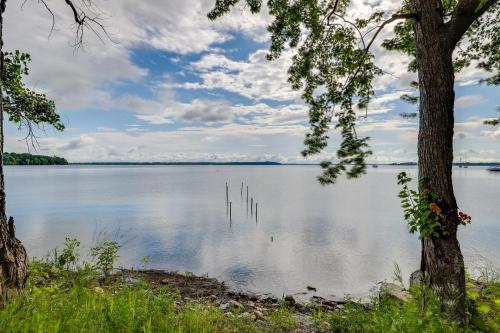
423 312
334 67
422 211
22 105
29 159
69 256
493 122
106 254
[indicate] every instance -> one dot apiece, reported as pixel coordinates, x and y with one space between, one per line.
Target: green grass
411 316
57 300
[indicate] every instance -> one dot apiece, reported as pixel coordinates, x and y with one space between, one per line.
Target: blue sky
173 86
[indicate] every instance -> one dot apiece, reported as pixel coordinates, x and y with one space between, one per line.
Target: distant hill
28 159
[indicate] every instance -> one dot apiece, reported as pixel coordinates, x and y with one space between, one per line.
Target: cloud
255 78
463 102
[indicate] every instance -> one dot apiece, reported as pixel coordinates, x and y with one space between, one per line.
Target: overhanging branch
465 13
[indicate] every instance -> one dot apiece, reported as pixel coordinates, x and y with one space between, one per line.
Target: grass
388 315
56 300
63 296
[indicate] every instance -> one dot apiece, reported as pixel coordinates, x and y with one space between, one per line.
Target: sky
171 85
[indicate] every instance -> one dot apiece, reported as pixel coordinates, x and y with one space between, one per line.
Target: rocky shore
202 289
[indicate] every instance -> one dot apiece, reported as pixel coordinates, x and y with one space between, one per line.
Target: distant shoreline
263 163
486 164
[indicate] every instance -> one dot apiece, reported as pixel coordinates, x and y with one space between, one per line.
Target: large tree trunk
442 260
13 258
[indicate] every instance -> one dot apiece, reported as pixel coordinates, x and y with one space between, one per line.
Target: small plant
144 261
69 256
106 254
422 210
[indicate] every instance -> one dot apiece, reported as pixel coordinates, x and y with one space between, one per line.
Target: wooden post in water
227 194
251 206
230 210
256 210
241 191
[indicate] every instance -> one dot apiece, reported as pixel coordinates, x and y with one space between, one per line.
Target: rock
392 290
224 306
251 304
213 298
236 305
338 300
324 307
164 281
258 315
130 280
311 289
289 300
247 315
99 290
317 299
416 278
268 299
230 314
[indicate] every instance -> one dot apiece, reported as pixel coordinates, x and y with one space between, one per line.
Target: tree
28 108
493 122
334 67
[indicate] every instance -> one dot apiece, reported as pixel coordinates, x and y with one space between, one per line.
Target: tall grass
57 300
423 312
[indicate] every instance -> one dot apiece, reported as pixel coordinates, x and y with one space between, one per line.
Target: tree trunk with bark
442 260
13 257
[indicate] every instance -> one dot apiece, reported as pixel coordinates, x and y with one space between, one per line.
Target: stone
324 307
268 299
392 290
245 315
311 289
99 290
289 300
164 281
130 280
224 306
258 315
236 305
416 279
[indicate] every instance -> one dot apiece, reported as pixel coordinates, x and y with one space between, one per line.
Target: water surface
341 239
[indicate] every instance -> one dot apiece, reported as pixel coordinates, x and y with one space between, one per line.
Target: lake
341 239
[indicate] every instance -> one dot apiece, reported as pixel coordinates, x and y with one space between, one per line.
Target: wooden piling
230 210
251 206
256 210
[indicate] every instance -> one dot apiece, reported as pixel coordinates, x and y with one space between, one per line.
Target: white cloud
256 78
469 100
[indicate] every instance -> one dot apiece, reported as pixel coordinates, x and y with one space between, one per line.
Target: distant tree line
28 159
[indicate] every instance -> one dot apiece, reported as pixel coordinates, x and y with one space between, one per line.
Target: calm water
341 239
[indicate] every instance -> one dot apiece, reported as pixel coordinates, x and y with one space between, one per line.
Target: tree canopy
334 64
24 106
28 159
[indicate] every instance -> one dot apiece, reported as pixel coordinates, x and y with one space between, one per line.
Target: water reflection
290 232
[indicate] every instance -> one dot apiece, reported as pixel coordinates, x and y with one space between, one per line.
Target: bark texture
442 260
13 257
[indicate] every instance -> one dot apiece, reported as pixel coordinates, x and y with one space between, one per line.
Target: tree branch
393 18
465 13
